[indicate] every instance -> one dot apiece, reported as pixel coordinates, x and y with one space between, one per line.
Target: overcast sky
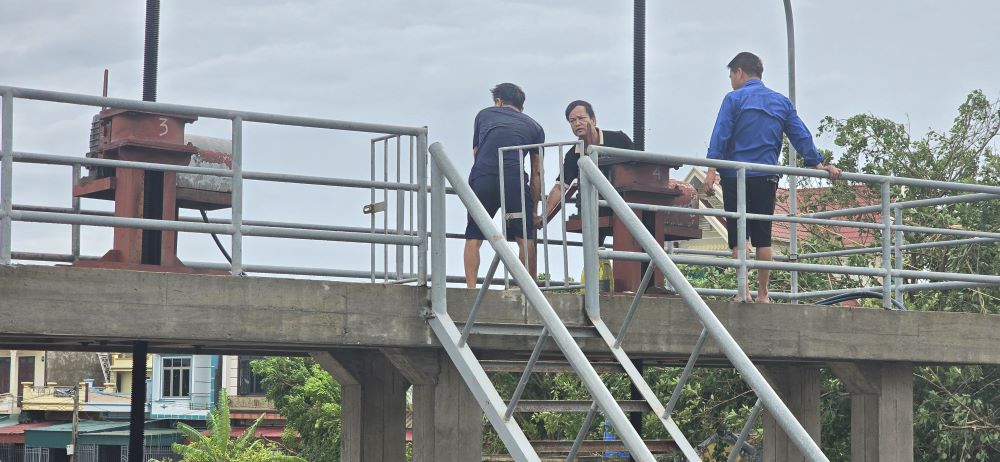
433 62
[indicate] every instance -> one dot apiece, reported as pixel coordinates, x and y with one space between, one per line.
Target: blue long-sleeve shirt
750 125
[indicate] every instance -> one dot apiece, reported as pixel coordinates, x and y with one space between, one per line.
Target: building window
249 383
176 377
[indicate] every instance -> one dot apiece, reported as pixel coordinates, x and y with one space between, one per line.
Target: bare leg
763 275
471 256
526 253
746 290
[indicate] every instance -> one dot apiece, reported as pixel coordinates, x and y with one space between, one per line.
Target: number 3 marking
163 123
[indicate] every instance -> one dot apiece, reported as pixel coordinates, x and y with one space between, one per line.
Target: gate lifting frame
235 226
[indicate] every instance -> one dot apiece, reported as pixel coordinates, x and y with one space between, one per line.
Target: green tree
309 399
218 446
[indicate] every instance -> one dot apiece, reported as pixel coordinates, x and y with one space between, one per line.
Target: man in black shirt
583 122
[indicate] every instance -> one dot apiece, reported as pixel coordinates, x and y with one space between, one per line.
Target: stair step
546 366
525 330
591 446
542 405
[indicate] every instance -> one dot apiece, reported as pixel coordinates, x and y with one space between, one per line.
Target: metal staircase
500 411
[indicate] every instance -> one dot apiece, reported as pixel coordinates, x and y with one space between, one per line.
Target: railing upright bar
385 213
582 434
742 284
898 245
400 206
754 413
521 185
526 375
479 300
75 229
237 197
6 174
589 222
782 415
411 195
371 217
503 212
563 187
422 195
647 276
886 246
439 262
545 228
675 396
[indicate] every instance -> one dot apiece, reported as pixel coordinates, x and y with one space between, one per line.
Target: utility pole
71 450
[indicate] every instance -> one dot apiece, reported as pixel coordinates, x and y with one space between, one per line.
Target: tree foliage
219 446
309 399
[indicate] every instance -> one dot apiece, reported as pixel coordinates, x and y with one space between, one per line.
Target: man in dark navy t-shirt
504 125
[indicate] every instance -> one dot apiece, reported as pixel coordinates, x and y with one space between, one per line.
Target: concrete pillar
373 405
799 388
881 410
14 379
447 419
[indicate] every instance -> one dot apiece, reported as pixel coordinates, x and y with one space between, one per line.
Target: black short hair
749 62
510 94
580 102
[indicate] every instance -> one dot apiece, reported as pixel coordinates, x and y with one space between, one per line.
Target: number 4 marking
656 173
163 123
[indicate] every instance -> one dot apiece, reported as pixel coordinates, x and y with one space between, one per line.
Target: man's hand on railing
833 171
711 179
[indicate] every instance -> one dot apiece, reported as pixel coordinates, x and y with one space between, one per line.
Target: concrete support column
447 419
15 382
373 405
881 410
799 387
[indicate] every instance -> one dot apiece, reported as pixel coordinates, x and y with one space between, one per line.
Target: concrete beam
881 410
52 308
799 387
373 405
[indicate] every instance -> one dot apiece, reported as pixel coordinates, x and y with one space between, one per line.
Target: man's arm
721 134
802 141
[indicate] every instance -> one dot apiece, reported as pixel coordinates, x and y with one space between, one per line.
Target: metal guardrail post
727 344
793 180
400 207
589 223
237 198
6 175
422 208
742 283
886 246
439 263
898 245
371 217
75 229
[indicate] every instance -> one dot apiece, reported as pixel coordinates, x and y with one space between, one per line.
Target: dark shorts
760 200
487 189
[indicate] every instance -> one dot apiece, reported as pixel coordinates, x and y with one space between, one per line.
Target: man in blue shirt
750 128
504 125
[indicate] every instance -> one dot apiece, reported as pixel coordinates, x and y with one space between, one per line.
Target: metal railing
890 227
414 235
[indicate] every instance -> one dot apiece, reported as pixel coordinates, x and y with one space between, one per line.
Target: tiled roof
809 197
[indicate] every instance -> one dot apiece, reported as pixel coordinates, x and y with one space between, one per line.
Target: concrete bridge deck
78 309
